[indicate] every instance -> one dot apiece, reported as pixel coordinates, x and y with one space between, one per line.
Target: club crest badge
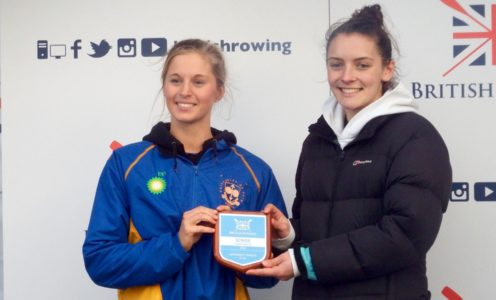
232 192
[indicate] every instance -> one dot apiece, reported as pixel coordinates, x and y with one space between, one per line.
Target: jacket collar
394 101
322 129
169 145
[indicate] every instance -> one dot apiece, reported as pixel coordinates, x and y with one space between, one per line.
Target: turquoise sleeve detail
307 259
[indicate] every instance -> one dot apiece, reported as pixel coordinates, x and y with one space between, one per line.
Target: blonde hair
207 49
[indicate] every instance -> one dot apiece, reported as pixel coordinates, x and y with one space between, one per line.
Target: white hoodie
396 100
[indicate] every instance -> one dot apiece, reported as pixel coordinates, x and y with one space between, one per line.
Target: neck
192 137
348 114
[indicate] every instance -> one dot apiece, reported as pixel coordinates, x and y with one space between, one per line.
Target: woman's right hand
195 223
279 223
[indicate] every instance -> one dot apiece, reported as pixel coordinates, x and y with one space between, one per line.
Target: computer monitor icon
57 51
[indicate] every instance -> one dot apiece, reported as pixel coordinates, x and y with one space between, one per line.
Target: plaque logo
243 225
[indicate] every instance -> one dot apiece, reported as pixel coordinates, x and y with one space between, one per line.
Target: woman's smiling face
190 89
356 71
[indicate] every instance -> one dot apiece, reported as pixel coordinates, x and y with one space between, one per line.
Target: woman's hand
279 223
279 267
195 223
222 208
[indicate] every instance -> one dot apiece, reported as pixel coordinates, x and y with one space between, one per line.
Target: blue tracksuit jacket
132 242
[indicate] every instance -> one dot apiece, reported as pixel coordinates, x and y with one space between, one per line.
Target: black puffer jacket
370 213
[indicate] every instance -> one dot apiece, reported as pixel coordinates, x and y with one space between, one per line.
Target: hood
396 100
169 145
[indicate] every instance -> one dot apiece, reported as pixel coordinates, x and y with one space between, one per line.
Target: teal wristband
307 259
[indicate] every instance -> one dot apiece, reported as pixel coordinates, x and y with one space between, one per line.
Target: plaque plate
242 239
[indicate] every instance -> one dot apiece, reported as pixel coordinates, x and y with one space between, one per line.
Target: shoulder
131 152
134 149
321 139
410 126
250 158
411 122
414 133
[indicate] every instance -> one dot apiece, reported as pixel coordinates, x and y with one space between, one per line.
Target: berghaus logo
474 34
361 162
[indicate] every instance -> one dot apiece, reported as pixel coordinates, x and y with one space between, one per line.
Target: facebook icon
76 47
485 191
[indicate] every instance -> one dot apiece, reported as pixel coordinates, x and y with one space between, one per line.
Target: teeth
349 91
185 105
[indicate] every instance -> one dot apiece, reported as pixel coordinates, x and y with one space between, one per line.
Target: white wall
60 115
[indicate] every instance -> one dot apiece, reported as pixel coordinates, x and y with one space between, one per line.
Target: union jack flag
475 26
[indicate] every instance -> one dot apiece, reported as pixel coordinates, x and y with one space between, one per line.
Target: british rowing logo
474 34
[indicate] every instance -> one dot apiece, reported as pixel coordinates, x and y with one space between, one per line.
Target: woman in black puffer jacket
373 180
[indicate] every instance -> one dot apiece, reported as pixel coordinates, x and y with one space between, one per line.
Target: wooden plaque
242 239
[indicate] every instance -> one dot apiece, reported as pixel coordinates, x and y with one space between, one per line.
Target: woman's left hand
222 208
280 225
279 267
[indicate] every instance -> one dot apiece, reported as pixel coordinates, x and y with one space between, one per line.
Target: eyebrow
195 75
356 59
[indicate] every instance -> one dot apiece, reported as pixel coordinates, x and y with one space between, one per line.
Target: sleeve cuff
285 243
300 265
307 259
304 262
296 271
177 249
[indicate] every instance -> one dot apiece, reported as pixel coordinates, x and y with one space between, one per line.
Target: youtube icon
152 47
485 191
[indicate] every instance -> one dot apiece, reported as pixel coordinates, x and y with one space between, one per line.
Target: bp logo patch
156 185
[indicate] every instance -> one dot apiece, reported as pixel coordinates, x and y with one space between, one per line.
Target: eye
362 66
335 65
199 82
174 81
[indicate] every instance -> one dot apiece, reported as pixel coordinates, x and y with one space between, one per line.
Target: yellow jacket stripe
257 183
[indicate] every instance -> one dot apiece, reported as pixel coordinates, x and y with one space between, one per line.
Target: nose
185 89
348 74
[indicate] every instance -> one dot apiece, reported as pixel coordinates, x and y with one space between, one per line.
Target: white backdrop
60 115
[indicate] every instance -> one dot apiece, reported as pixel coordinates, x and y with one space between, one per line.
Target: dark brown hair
368 21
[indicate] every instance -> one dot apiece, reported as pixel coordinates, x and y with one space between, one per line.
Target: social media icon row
483 191
126 47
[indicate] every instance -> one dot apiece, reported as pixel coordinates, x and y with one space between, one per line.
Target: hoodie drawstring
174 154
214 146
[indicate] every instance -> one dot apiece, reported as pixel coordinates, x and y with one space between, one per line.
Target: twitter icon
101 49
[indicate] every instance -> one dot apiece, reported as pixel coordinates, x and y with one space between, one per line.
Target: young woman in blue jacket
372 183
150 232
